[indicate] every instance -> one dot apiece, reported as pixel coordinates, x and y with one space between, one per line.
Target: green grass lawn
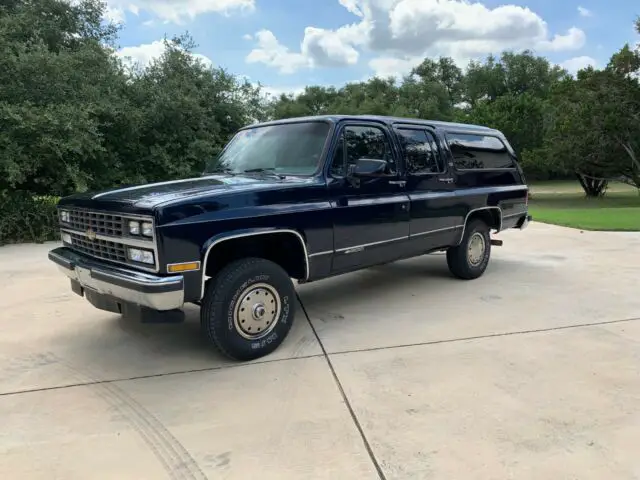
564 203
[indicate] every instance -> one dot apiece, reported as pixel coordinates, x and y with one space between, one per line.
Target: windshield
291 148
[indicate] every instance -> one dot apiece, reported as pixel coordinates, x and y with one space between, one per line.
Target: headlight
64 216
134 228
147 229
139 255
66 238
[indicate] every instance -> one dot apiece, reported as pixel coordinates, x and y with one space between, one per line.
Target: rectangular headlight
134 227
66 238
139 255
147 229
64 216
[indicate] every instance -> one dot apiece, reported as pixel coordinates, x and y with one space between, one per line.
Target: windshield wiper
259 169
263 170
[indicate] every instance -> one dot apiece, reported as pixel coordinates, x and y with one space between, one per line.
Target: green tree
444 73
56 79
513 73
185 112
74 118
594 128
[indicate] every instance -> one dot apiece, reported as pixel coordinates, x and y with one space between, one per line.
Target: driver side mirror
367 167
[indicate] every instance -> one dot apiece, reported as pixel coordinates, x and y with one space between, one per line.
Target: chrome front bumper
90 277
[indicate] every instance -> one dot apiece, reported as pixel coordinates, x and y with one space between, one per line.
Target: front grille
100 248
102 223
105 235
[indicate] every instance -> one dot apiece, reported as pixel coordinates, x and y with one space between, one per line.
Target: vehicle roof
387 120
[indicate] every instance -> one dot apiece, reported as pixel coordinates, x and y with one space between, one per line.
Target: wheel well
283 248
490 216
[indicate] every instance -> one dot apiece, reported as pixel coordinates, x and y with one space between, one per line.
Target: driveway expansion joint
345 399
489 336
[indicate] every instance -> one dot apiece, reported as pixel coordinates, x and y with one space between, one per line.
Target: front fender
250 232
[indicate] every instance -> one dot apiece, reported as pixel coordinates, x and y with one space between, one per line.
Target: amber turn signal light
183 267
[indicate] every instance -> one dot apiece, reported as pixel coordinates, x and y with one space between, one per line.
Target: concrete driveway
531 372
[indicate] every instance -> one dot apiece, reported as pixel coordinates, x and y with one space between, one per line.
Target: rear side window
420 151
479 152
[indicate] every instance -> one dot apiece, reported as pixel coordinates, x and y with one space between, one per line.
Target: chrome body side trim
437 230
319 254
358 248
519 214
252 234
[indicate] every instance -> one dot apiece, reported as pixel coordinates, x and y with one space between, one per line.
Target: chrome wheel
256 311
476 249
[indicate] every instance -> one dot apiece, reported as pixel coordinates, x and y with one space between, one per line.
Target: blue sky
286 44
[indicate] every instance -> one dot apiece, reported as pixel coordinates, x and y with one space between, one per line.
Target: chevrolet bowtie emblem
91 235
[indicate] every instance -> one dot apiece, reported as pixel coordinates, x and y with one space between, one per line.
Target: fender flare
470 212
223 237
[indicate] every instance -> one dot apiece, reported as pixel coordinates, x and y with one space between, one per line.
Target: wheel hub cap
476 249
256 311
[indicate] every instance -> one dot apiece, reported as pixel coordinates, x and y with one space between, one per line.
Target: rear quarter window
479 152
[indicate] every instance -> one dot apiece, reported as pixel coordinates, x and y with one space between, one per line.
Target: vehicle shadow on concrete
424 283
419 301
427 278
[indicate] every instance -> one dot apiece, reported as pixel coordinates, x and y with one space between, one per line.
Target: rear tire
248 308
469 260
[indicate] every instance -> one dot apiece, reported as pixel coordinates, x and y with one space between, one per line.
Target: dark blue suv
303 198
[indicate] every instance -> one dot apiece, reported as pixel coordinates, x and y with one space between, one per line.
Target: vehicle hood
150 196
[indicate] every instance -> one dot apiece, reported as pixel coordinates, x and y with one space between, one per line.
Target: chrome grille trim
110 239
103 223
113 251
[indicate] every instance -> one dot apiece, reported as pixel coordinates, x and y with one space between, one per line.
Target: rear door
370 215
434 218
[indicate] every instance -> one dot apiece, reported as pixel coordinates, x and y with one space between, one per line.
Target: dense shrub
24 218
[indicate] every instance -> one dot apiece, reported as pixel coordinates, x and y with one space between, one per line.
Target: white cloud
574 39
584 12
144 54
572 65
177 11
319 48
393 66
115 15
402 30
275 92
273 53
247 37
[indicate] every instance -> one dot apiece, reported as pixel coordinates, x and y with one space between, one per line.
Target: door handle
400 183
445 179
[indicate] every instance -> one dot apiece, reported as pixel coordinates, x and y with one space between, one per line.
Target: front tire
469 260
248 308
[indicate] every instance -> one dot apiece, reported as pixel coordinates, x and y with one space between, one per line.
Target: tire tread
216 288
457 256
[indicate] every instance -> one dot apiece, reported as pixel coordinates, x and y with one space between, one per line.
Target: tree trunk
593 187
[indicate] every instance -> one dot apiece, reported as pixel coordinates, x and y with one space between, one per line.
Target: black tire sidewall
217 318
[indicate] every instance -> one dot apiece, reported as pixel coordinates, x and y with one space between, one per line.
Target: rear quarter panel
503 188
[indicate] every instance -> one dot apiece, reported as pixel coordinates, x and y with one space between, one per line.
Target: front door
430 186
370 215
